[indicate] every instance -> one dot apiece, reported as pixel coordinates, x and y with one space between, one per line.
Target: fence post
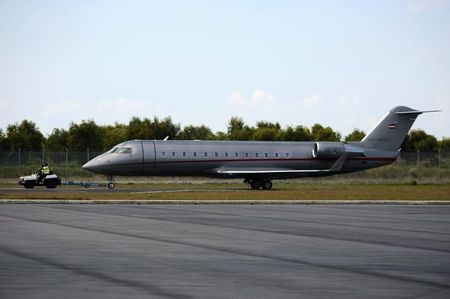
89 173
20 172
439 166
418 164
67 162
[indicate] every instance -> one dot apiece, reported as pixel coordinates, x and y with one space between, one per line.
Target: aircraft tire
255 184
111 186
267 185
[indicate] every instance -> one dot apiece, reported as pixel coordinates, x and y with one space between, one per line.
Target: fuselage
258 162
271 160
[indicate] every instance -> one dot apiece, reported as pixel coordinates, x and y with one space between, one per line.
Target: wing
337 166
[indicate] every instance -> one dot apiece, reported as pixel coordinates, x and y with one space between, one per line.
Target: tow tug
35 179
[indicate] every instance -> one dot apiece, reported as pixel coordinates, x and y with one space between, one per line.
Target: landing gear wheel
111 184
255 184
267 185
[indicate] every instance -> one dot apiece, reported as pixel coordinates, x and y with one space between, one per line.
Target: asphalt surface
224 251
69 190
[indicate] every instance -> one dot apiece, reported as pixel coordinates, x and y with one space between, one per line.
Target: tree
113 135
165 127
138 129
221 136
148 129
267 131
4 145
265 134
356 135
444 144
196 132
238 130
86 135
266 124
418 140
58 140
324 134
25 136
298 133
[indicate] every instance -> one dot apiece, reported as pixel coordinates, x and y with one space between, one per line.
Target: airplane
257 162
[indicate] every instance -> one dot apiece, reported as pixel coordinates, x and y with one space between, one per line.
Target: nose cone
91 166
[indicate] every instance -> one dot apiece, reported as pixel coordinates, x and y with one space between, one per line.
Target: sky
342 64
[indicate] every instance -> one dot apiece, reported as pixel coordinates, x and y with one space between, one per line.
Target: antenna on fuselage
165 139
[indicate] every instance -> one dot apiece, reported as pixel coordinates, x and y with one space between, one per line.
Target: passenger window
286 155
163 154
194 154
266 155
174 154
205 154
226 155
257 155
246 155
236 155
216 155
276 155
184 154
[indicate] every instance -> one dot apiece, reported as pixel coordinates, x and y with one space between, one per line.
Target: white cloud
122 106
122 109
309 102
259 99
56 108
348 100
237 99
420 6
61 114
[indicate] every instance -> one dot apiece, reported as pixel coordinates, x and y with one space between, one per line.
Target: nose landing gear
111 184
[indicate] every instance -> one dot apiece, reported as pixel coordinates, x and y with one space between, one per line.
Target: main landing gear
111 184
257 184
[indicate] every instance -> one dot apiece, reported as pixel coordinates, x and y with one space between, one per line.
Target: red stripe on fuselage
274 160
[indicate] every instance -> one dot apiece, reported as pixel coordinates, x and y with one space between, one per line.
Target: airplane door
149 154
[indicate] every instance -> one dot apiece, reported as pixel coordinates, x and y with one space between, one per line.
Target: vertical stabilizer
390 132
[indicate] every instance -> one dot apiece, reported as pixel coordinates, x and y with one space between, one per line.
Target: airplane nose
96 165
90 165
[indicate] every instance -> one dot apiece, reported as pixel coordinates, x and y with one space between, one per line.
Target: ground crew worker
45 169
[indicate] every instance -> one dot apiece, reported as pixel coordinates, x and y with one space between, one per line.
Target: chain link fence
423 167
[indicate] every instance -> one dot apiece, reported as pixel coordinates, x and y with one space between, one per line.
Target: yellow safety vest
46 170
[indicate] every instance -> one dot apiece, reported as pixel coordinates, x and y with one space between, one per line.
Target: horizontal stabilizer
415 112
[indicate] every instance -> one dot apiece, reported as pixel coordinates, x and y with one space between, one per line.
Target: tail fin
390 132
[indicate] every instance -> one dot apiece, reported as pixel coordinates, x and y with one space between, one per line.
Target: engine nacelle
330 150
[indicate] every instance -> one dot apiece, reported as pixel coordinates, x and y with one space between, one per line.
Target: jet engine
330 150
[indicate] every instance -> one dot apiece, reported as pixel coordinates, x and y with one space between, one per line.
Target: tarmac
224 251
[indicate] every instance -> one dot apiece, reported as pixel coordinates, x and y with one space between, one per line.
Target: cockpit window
125 150
121 150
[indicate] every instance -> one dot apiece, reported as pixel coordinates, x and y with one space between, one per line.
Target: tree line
26 136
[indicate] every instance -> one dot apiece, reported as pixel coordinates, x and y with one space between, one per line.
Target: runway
224 251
